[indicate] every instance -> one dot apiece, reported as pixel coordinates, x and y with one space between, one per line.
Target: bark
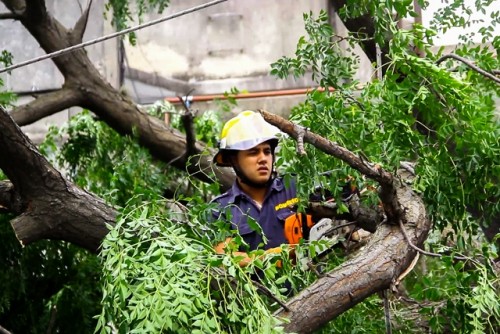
7 202
47 205
45 105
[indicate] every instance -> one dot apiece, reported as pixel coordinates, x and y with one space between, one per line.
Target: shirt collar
235 191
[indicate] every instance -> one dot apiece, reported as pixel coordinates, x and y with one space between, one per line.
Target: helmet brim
219 157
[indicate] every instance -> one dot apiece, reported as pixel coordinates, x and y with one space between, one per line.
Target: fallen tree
48 206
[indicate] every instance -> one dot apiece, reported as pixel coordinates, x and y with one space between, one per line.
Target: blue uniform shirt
277 206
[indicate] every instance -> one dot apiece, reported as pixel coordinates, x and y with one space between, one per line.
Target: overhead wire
113 35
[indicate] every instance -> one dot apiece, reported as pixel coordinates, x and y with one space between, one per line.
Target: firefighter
247 144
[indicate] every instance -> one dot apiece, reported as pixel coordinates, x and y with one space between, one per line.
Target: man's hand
226 244
222 248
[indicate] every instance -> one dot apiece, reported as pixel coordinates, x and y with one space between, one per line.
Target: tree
418 112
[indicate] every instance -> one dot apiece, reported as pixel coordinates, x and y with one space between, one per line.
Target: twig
470 64
387 313
259 286
460 258
52 321
429 130
352 99
406 272
10 16
175 159
301 131
81 24
262 288
312 267
408 166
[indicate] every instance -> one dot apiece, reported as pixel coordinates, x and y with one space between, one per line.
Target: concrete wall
232 39
231 44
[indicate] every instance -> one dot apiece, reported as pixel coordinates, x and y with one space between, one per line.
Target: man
247 144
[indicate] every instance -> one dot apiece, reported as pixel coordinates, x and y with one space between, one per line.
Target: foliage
440 116
125 12
6 98
46 285
160 276
98 159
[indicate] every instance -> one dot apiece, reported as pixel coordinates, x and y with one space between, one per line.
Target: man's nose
262 156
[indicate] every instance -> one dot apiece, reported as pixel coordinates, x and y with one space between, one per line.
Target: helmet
243 132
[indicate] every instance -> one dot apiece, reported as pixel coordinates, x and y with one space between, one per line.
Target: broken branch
469 64
81 24
372 171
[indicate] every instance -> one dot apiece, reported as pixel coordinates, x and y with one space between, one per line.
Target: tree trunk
48 206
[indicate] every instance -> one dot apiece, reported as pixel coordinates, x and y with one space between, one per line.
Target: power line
113 35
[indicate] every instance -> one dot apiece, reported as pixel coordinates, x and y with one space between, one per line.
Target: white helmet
243 132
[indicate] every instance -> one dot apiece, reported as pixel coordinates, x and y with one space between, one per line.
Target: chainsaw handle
297 226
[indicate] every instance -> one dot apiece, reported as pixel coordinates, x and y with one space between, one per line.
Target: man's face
256 163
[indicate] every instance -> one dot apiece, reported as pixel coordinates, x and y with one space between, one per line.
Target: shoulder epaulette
216 198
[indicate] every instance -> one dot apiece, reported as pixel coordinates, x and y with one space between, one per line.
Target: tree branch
50 206
458 258
374 268
187 121
17 7
4 331
372 171
469 64
94 93
154 79
46 105
10 16
360 25
76 34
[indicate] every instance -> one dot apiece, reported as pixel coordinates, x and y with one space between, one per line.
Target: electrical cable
104 38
